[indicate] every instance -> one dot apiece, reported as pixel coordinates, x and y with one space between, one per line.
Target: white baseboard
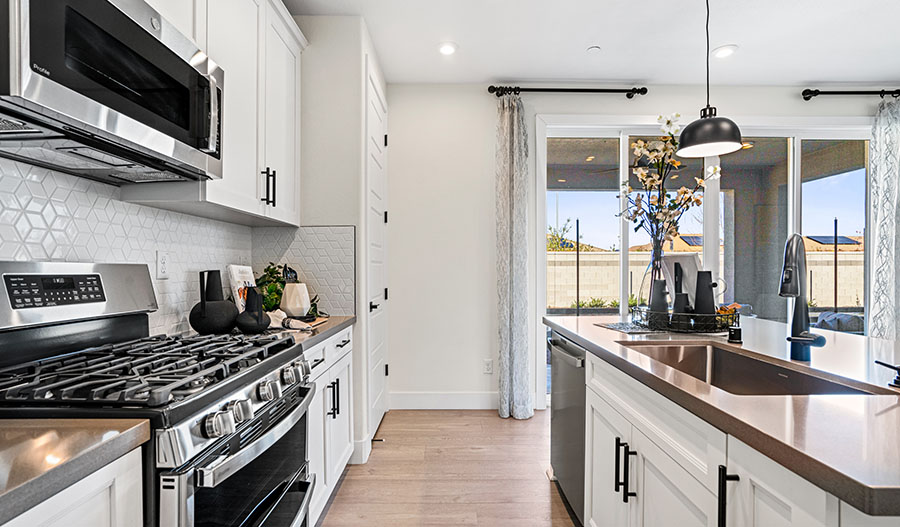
444 400
361 451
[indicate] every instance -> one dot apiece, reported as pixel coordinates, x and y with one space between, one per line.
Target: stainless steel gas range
228 412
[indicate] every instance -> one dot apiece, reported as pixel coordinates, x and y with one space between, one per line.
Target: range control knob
218 424
268 390
303 365
290 375
241 410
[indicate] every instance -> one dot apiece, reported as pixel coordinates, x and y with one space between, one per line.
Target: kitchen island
836 457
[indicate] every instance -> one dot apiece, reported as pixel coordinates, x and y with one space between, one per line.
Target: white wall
441 234
441 238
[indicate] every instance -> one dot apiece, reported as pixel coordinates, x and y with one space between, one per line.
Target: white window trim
795 129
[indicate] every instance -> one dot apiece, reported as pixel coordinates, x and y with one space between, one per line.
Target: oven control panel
30 291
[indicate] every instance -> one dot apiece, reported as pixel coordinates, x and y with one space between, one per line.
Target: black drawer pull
333 412
373 306
625 492
344 344
724 478
618 483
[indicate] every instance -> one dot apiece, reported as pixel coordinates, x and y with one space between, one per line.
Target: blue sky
843 196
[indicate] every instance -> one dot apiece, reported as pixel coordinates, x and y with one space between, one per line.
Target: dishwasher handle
556 348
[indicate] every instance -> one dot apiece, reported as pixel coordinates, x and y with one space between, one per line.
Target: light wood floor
453 468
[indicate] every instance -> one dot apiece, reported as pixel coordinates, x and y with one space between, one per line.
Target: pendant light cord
707 53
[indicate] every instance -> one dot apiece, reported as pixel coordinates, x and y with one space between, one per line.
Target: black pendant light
709 135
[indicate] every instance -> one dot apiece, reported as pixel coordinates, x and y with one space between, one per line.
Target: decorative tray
683 322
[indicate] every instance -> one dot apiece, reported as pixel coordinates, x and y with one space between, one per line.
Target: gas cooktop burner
148 372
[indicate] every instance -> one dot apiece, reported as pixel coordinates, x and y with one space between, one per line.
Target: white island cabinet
109 497
673 468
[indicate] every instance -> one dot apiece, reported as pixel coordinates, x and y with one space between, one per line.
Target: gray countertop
848 445
331 327
41 457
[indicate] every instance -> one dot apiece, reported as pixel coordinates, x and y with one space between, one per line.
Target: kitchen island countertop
848 445
41 457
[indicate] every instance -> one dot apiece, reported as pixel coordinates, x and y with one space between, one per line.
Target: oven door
118 66
256 478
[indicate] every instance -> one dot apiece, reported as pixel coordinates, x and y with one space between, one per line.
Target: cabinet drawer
692 442
338 346
318 363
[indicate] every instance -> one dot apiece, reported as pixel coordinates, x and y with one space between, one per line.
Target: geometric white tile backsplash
324 257
45 215
49 216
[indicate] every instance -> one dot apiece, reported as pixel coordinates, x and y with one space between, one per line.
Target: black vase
253 320
705 299
213 314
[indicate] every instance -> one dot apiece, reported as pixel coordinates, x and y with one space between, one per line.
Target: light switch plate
162 265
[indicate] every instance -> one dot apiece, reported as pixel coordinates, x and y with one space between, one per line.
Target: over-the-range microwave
109 90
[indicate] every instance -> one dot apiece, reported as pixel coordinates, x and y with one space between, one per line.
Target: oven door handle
225 466
259 518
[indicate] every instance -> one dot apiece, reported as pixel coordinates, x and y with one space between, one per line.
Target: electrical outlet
488 367
162 265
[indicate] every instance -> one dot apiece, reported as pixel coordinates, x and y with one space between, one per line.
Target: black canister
253 320
213 314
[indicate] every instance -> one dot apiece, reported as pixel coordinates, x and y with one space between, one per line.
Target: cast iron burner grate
148 372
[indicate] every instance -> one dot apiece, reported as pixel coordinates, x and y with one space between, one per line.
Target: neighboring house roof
569 245
683 243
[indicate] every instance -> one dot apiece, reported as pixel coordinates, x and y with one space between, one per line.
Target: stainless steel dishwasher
567 417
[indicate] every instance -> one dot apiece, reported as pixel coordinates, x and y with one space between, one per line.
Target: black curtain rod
809 94
500 91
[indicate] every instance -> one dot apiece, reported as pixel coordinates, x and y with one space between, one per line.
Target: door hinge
386 370
385 216
385 293
385 139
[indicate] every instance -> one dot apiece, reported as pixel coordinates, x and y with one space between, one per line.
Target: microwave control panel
30 291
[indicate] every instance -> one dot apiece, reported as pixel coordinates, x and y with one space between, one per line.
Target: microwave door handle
226 466
213 115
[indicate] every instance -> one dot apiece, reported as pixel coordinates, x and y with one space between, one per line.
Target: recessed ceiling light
561 180
447 48
722 52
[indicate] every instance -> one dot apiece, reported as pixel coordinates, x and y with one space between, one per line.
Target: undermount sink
739 374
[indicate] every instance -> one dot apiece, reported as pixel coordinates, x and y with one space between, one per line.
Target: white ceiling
782 42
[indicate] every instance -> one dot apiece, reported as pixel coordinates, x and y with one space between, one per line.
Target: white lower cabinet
109 497
606 430
330 419
666 494
769 495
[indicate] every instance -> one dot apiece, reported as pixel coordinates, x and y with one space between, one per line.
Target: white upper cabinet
236 29
188 17
280 146
258 45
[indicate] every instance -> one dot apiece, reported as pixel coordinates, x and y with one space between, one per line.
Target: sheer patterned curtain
516 393
885 183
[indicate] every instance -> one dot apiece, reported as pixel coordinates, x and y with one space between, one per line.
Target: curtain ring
518 90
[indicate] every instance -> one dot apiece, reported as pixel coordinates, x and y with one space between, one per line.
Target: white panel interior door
376 250
667 494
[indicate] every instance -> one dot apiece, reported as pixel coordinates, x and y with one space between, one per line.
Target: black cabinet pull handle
274 187
270 178
724 478
618 484
333 412
337 398
625 492
373 306
315 363
344 343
